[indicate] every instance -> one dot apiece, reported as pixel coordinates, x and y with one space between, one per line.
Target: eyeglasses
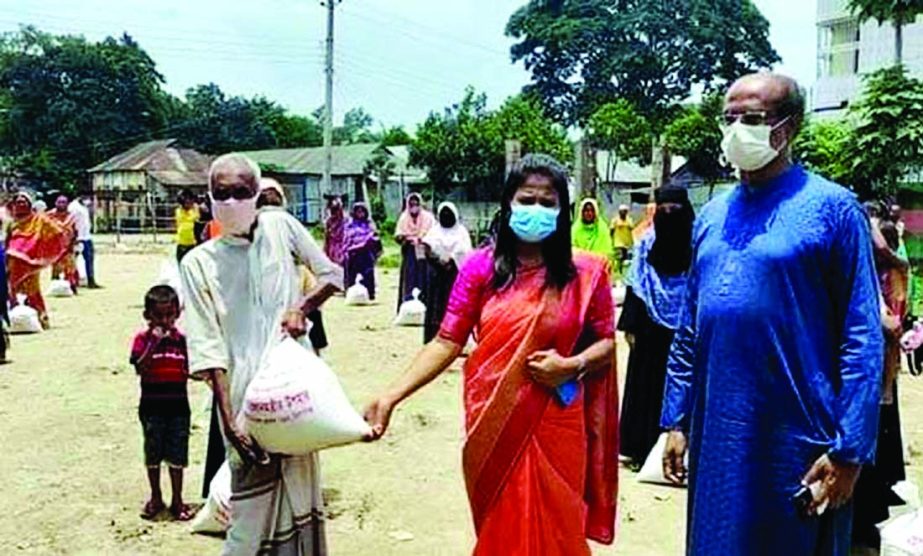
757 117
240 193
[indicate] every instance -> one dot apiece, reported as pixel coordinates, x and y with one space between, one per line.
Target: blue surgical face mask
534 223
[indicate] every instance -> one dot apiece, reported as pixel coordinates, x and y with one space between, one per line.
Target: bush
378 210
318 232
387 227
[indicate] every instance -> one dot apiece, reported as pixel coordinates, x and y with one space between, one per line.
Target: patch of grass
392 256
390 260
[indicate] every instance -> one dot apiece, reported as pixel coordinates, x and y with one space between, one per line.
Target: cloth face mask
236 216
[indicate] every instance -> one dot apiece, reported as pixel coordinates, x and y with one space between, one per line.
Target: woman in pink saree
541 404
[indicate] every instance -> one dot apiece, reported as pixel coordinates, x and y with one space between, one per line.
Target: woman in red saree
34 242
541 404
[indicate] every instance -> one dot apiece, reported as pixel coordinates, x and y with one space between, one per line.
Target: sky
399 59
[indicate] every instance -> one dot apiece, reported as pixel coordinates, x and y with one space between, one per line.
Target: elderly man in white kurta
243 292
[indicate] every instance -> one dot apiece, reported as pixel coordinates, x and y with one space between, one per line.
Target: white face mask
236 217
749 147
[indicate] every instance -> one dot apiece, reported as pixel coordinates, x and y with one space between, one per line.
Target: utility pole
326 183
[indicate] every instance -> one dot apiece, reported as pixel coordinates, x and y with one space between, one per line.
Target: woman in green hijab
590 232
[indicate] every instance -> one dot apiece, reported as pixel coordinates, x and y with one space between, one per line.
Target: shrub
378 210
387 227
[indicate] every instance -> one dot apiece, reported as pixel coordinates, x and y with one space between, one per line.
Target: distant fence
144 215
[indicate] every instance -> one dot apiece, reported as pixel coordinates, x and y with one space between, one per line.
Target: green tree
618 128
696 135
66 104
214 123
70 103
899 12
584 53
888 136
455 148
464 145
292 131
395 137
824 147
381 168
356 128
523 119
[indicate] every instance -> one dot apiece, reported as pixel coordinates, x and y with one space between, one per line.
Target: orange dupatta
38 241
65 219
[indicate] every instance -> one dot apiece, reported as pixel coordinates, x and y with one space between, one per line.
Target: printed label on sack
280 410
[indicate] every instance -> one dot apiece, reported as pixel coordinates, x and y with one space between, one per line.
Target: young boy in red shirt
159 356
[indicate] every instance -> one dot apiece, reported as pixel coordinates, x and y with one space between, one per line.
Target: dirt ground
71 456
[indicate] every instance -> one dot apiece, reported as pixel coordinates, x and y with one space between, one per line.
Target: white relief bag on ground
908 492
215 515
412 312
24 319
652 470
295 404
82 268
903 535
60 288
357 294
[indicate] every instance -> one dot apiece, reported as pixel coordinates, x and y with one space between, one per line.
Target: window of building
838 49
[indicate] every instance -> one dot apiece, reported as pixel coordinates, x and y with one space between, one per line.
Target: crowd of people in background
764 336
36 239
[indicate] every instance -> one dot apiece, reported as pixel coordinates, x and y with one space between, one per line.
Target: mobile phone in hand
805 496
567 392
802 501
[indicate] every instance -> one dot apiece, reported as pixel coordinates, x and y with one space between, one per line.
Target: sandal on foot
152 509
183 513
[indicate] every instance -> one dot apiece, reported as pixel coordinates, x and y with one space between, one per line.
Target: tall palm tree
898 12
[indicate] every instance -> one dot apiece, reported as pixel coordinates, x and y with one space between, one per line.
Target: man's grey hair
234 160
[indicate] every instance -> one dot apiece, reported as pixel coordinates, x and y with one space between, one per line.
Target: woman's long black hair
556 250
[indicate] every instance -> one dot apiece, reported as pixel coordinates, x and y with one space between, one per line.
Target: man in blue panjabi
775 373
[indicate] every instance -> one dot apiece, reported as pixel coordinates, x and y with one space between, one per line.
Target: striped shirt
164 368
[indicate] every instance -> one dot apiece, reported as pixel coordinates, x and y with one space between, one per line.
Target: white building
847 50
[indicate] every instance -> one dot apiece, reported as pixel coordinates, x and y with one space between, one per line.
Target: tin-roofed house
133 186
300 171
627 182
